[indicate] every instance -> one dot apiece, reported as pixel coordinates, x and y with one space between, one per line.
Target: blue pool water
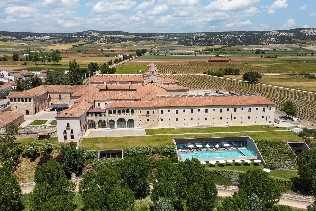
242 153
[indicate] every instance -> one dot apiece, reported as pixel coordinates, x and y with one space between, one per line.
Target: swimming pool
243 153
205 150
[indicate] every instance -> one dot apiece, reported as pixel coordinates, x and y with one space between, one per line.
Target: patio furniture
257 162
248 162
229 161
238 162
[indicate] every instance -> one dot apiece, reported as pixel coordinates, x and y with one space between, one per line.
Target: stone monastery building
139 101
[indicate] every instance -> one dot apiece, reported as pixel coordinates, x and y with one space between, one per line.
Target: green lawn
124 142
131 68
256 132
38 122
28 140
163 139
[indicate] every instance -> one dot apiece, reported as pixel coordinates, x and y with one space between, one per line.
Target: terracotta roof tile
195 102
7 117
76 110
101 79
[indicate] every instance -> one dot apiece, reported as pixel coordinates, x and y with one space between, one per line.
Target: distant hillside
200 38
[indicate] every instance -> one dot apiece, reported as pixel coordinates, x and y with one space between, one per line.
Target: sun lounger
230 162
222 162
203 162
238 162
247 162
257 161
213 162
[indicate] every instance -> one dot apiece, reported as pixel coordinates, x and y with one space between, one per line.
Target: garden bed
38 122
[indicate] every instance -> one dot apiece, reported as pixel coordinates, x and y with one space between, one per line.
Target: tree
135 173
72 159
198 188
53 191
35 81
289 108
307 171
105 69
12 129
74 75
56 56
16 57
186 183
140 52
120 198
163 205
56 78
258 184
10 191
10 152
102 189
93 68
252 77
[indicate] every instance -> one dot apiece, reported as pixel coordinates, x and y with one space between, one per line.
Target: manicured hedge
277 155
164 151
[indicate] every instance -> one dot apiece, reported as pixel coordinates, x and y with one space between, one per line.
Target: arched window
121 123
130 123
91 124
27 112
112 124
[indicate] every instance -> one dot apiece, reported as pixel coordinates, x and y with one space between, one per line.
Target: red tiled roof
195 102
76 111
101 79
37 91
8 117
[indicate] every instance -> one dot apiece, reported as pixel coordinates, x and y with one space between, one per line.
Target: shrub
10 152
307 171
276 154
252 77
53 191
10 192
164 151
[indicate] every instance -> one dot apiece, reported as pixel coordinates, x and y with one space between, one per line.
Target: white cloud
238 24
231 5
20 11
291 23
113 5
69 23
276 5
57 3
158 9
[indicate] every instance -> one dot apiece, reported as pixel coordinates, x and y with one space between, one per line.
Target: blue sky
155 15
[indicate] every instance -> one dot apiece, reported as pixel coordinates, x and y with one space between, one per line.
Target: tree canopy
252 77
289 108
10 152
103 189
10 192
257 191
53 191
135 173
184 184
72 159
307 171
